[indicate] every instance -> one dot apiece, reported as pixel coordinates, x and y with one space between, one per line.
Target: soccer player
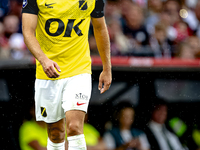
56 33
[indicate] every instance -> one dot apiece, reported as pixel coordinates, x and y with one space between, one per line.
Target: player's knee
57 135
73 129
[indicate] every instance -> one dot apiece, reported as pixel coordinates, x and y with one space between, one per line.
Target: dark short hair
119 107
123 104
156 103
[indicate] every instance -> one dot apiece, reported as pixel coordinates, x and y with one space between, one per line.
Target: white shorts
54 97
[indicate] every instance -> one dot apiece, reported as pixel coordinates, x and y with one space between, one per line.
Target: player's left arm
103 45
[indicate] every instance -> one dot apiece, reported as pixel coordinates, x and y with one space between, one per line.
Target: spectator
155 6
111 10
194 42
160 138
184 51
160 43
141 3
119 43
11 23
123 136
9 26
189 49
124 6
153 14
188 15
15 8
183 31
17 46
133 25
197 12
172 7
170 30
12 43
4 53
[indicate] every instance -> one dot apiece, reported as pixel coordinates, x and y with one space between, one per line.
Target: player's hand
50 68
105 80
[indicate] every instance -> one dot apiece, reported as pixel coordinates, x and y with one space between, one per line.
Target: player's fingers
47 71
50 71
102 90
100 85
48 74
57 67
105 88
54 73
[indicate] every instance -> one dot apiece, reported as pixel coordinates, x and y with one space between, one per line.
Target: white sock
76 142
55 146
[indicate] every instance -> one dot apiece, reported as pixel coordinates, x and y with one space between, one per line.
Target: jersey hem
66 76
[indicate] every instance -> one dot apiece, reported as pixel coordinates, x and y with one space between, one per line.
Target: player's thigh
74 122
76 93
48 100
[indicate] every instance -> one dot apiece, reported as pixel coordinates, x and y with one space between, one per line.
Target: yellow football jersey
62 32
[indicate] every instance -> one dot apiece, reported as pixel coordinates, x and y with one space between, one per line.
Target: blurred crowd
153 28
143 28
12 44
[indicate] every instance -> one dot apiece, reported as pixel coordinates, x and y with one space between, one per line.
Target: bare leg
74 128
56 134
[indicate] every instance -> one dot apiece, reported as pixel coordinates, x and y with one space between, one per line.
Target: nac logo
83 4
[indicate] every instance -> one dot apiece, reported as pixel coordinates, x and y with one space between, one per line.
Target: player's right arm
29 24
103 44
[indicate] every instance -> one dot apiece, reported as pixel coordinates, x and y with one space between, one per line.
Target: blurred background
155 49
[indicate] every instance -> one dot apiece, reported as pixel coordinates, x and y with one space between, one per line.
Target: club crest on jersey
25 2
83 4
43 111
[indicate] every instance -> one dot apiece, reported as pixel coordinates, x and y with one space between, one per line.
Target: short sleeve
30 6
98 11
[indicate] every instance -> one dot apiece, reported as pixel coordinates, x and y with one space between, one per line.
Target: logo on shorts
43 111
79 104
83 4
81 96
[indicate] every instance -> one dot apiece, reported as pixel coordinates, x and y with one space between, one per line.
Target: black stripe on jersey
98 11
31 7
